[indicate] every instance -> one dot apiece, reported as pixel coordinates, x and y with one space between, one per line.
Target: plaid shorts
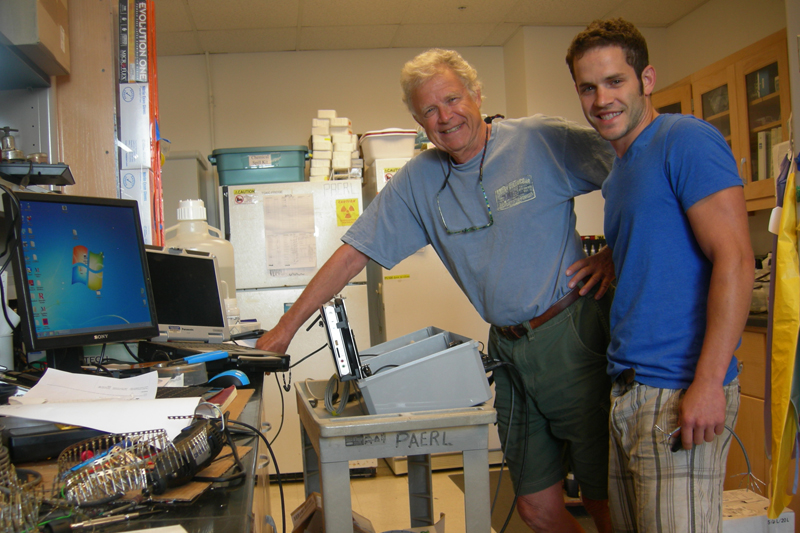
652 489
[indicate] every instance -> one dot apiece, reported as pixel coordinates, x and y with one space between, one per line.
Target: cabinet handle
742 163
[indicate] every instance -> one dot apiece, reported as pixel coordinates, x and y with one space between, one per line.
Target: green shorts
562 364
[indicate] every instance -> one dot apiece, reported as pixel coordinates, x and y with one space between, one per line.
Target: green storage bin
267 164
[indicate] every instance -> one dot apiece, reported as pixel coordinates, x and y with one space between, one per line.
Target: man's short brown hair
612 32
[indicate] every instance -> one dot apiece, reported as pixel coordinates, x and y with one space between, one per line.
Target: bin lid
388 132
258 150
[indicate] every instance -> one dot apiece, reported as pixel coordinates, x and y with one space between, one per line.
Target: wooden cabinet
675 99
746 97
750 424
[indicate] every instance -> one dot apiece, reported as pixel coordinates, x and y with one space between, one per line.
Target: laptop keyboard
201 347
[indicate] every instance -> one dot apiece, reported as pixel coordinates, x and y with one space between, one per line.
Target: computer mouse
228 378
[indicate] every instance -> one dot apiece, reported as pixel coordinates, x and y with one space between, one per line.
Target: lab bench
222 507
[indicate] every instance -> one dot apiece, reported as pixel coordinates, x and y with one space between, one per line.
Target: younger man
676 222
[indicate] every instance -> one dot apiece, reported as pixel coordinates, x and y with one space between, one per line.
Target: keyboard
239 355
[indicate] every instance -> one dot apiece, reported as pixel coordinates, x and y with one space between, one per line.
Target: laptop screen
187 295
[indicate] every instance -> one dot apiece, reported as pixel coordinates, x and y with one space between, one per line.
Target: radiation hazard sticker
346 211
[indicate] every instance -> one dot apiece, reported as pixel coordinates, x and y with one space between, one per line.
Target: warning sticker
346 211
398 276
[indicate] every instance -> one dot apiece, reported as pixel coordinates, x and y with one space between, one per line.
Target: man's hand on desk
275 340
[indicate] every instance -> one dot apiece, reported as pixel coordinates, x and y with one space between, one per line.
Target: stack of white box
334 148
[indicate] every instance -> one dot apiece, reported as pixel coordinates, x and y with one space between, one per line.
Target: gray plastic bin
425 370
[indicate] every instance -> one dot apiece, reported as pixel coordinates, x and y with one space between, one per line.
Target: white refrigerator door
268 305
419 292
281 212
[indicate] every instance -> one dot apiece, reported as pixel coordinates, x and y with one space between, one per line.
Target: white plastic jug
192 232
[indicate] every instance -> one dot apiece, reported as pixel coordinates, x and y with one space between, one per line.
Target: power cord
274 463
283 407
513 372
344 396
15 219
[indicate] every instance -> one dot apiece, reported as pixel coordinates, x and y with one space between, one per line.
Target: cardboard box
438 527
744 511
135 185
134 21
134 125
308 518
40 30
381 171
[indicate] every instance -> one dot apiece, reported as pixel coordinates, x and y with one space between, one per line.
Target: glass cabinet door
763 118
714 99
763 82
766 110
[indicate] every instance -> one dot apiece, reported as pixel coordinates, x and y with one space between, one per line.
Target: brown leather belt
513 333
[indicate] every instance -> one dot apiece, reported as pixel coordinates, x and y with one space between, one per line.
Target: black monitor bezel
34 343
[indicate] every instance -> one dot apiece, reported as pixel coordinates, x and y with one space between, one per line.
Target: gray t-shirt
513 270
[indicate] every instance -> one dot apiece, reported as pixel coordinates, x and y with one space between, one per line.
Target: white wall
515 66
269 99
717 29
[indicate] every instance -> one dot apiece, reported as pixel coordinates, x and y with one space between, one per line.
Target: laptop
341 340
191 310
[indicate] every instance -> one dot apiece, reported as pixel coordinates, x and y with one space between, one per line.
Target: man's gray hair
428 64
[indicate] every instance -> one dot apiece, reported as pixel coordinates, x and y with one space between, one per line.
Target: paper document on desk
68 401
58 386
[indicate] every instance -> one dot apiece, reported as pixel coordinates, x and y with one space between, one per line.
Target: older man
496 203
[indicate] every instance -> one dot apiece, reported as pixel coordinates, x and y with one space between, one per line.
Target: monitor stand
66 359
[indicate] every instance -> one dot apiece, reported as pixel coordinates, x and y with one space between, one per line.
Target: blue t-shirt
658 318
514 269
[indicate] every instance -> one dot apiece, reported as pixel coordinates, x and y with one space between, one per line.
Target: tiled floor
384 500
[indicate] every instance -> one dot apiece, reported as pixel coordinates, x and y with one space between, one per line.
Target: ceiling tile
441 35
177 43
501 34
171 15
242 14
457 11
244 41
244 25
352 12
347 37
654 12
559 12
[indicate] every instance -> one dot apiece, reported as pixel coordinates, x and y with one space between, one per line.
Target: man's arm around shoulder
337 271
719 223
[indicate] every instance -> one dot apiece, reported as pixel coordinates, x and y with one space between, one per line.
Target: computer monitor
80 273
